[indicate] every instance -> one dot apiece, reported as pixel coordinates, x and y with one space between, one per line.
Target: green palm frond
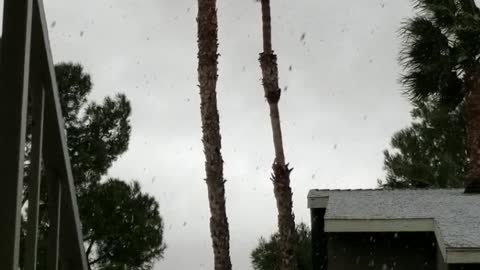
459 20
468 41
424 42
441 12
469 7
429 62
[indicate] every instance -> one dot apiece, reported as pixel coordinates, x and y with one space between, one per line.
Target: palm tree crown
441 57
441 48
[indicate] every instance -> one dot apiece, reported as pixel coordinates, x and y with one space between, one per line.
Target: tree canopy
122 226
97 134
430 152
267 255
441 46
440 56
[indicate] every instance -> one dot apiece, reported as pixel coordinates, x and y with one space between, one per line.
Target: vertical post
38 102
319 239
54 206
14 75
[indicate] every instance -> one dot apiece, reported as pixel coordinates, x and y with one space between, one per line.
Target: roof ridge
357 189
385 189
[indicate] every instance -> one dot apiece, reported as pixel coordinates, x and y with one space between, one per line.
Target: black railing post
14 76
38 102
24 40
54 214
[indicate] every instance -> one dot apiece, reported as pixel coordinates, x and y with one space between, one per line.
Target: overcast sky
341 104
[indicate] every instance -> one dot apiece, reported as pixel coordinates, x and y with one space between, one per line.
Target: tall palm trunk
207 76
281 172
472 115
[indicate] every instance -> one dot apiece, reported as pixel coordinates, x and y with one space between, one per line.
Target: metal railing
27 72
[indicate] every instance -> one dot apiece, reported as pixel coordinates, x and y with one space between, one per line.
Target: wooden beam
14 76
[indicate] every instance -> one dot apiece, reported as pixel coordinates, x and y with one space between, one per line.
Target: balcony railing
27 73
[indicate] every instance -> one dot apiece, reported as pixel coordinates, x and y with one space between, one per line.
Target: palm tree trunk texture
281 172
207 76
472 114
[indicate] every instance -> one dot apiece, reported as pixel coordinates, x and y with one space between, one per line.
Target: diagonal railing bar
57 155
25 39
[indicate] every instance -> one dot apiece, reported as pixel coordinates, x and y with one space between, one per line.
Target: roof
451 214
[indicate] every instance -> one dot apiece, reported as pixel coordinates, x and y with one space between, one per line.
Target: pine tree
430 152
122 226
441 58
267 254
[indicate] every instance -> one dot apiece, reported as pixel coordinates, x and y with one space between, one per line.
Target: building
395 229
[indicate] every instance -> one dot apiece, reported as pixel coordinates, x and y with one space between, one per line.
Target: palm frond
428 61
441 12
469 6
468 39
423 42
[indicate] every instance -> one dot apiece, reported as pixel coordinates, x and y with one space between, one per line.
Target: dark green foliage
429 153
122 224
441 47
427 59
74 85
267 256
441 44
96 133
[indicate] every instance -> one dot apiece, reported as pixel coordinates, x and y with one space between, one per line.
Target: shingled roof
451 214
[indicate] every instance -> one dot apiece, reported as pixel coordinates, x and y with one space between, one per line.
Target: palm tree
281 172
207 77
441 57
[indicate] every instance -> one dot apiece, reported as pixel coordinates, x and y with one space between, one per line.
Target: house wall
441 265
382 251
